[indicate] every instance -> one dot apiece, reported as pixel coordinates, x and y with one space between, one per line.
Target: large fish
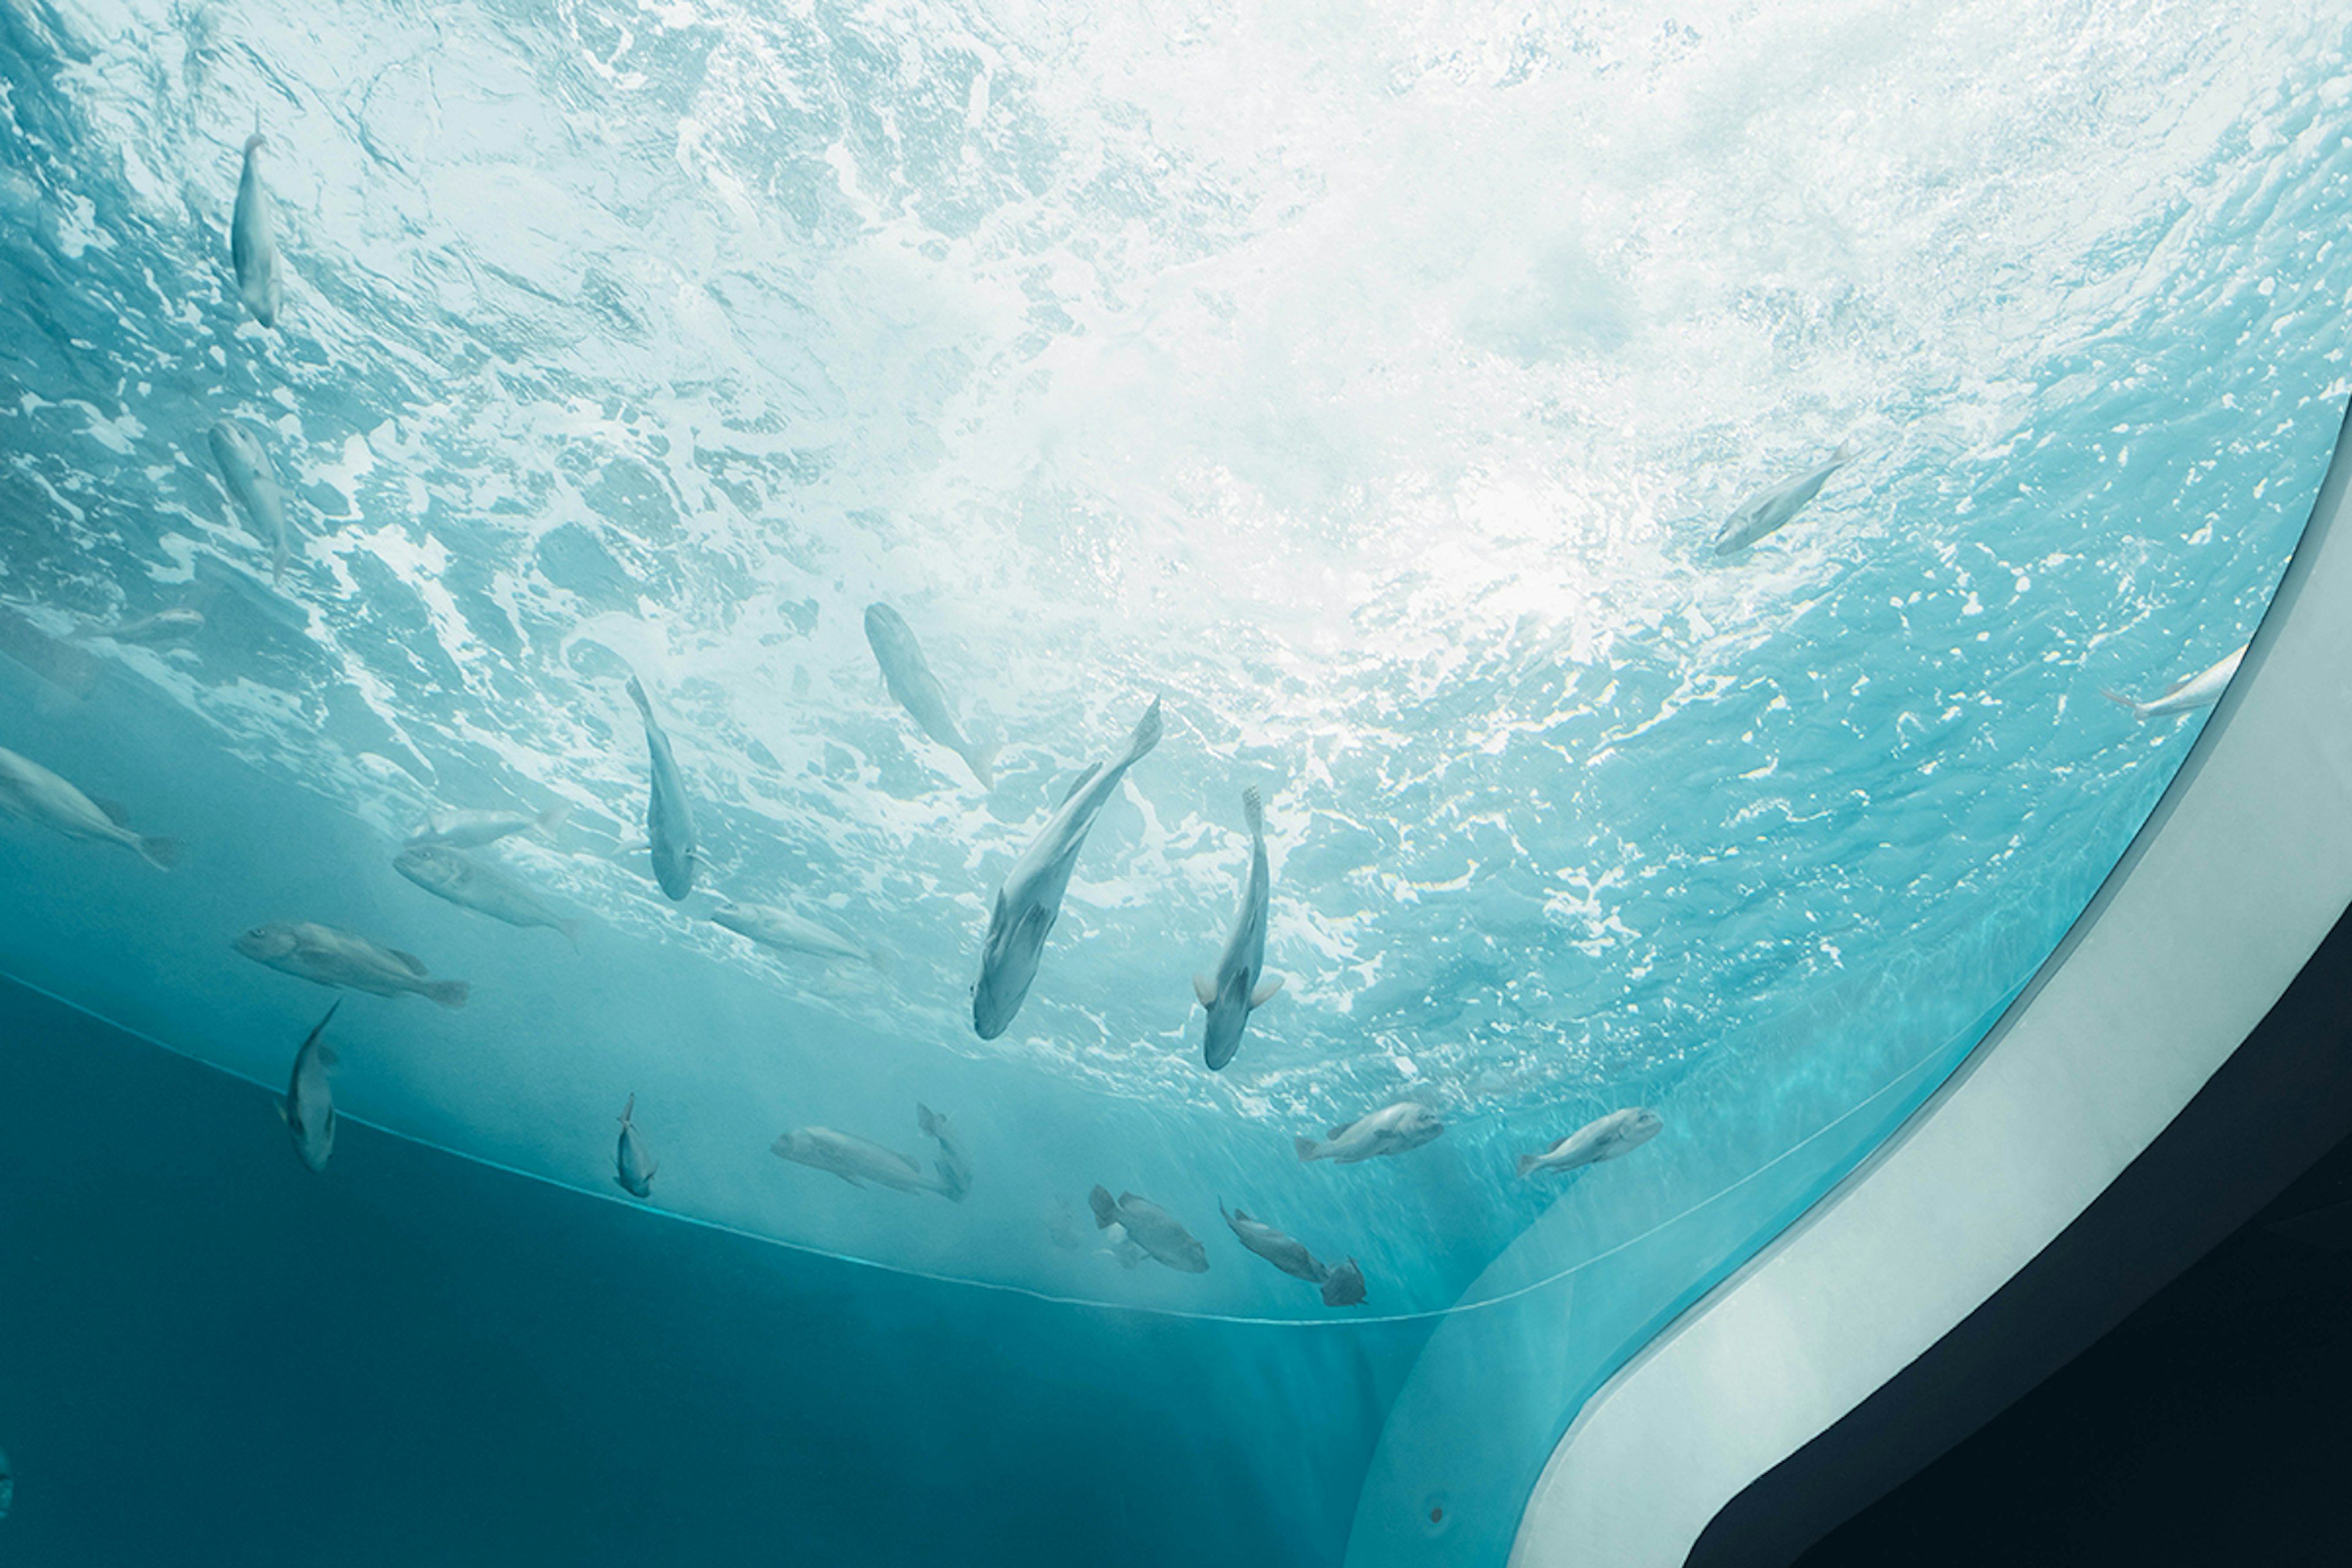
1769 509
30 791
473 829
1391 1130
2201 689
632 1158
853 1159
1239 986
325 956
252 480
785 931
309 1108
1031 898
1612 1136
1286 1253
253 240
953 1164
470 885
908 676
669 820
1151 1227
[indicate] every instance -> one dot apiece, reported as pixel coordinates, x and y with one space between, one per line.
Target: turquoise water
1366 384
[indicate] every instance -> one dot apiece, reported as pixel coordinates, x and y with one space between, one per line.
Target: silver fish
2193 692
325 956
633 1159
253 240
470 884
30 791
1031 898
1151 1227
953 1164
1285 1252
252 480
163 626
1769 509
853 1159
918 691
309 1108
473 829
670 819
1391 1130
1612 1136
1344 1287
1240 985
787 932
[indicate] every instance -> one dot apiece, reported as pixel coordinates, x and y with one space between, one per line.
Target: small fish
470 885
670 819
787 932
163 626
252 480
918 691
1151 1227
632 1160
1031 898
953 1164
1285 1252
325 956
1239 986
309 1108
1391 1130
853 1159
2190 691
1768 511
1611 1137
1344 1287
252 239
473 829
30 791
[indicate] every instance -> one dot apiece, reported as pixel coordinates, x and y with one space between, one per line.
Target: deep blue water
1364 383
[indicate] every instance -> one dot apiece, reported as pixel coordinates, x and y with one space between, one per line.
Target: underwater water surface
1392 395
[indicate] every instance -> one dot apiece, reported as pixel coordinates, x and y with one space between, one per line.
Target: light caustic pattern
1365 381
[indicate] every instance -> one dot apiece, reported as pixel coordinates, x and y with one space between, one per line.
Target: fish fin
449 992
629 1109
1528 1164
571 930
1267 988
413 964
329 1057
1078 784
1847 453
927 1121
1205 989
1127 1198
1042 918
982 761
853 1181
635 846
1147 734
1338 1129
1105 1210
1254 810
1309 1149
114 809
553 818
161 852
2140 709
321 1026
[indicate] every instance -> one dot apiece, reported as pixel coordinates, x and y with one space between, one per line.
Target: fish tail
553 818
1253 809
1309 1149
629 1110
1147 734
1847 451
1528 1164
571 930
637 695
2140 709
980 758
161 852
449 992
257 142
927 1121
1105 1210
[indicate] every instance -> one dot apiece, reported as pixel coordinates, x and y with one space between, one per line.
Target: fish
1285 1252
1769 509
309 1108
163 626
917 690
953 1164
2190 692
1344 1287
30 791
1239 986
853 1159
1151 1227
473 829
252 480
252 239
670 819
787 932
1391 1130
471 885
1031 898
1112 1239
633 1159
326 956
1614 1135
8 1484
